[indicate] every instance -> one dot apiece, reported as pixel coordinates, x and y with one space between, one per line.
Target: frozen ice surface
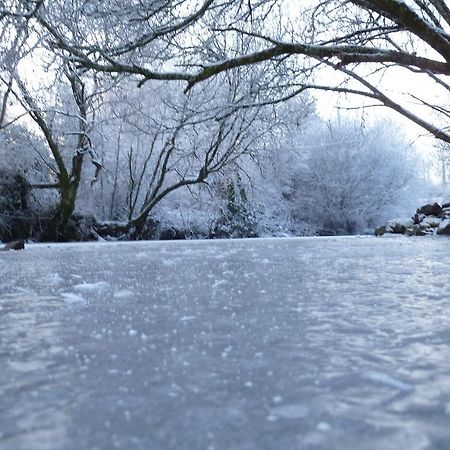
326 343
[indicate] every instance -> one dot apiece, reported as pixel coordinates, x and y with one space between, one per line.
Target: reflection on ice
32 413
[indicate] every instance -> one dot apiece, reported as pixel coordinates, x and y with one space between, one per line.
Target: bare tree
66 171
443 160
342 34
168 144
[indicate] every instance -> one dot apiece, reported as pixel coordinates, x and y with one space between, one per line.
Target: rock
430 219
417 218
399 226
326 232
417 231
14 245
172 234
380 230
112 230
444 227
431 210
430 222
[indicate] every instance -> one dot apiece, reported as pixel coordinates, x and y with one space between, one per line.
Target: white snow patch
444 223
323 426
141 255
21 290
91 287
169 262
386 379
53 279
218 283
431 221
405 221
71 297
123 293
187 318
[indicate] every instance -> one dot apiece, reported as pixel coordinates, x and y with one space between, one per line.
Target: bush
351 177
237 218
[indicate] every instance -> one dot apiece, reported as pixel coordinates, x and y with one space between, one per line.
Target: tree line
159 96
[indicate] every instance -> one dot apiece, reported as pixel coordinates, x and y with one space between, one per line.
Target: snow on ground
252 344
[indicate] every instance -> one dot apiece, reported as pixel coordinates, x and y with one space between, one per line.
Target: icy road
325 343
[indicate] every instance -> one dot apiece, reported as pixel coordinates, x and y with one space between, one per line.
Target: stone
380 230
395 227
399 226
419 232
172 233
434 209
326 232
431 222
14 245
444 227
417 218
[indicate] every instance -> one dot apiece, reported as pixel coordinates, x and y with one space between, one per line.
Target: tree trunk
67 206
137 225
68 189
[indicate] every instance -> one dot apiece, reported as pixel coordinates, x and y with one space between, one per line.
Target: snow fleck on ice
92 287
187 318
323 426
124 293
218 283
53 279
386 379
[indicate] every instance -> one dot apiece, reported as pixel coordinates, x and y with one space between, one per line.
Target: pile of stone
13 245
428 220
